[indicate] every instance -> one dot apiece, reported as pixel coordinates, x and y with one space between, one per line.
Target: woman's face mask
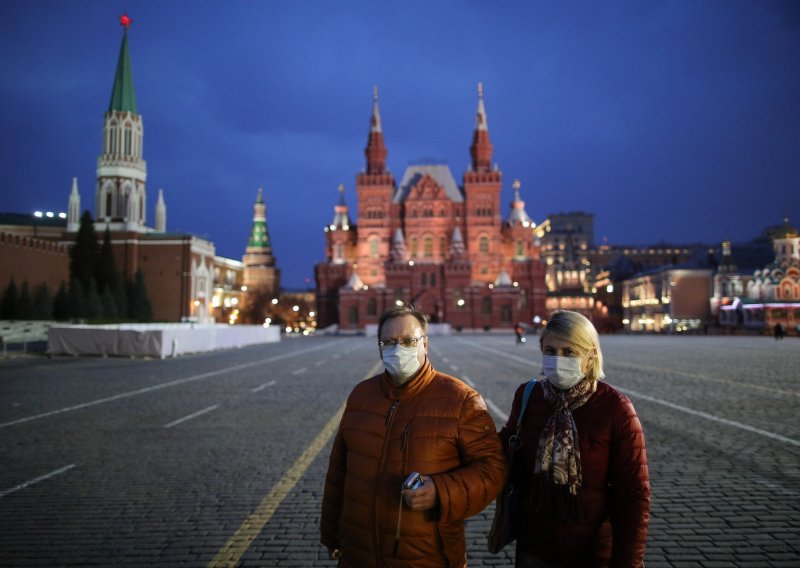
562 372
564 364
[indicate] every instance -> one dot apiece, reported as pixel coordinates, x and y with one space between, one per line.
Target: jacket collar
414 386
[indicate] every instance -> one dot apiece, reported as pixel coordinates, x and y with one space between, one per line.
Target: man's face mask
401 362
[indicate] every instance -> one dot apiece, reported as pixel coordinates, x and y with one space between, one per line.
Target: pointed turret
121 197
161 213
503 279
399 250
481 149
341 220
259 234
457 247
376 150
74 208
260 272
123 97
355 283
518 215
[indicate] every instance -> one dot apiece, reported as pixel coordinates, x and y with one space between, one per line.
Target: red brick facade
429 242
32 260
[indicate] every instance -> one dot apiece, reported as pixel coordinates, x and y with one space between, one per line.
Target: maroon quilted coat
435 425
615 495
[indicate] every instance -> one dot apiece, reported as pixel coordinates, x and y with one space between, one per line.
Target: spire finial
125 21
341 194
480 89
516 185
375 93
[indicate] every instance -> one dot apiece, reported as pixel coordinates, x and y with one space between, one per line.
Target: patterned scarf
558 459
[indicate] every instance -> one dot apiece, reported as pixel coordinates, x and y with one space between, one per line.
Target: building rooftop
439 172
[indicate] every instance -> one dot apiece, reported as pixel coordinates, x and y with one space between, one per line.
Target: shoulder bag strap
526 395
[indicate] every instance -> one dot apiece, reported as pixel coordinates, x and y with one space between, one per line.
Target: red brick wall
34 260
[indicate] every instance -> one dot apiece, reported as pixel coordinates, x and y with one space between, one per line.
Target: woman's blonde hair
578 330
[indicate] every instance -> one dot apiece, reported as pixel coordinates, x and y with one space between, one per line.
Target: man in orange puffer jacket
411 418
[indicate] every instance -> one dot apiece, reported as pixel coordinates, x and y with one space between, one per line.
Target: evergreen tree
42 303
120 292
84 254
77 300
94 306
8 307
140 308
109 304
106 267
61 303
25 303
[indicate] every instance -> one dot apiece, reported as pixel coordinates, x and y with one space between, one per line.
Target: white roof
439 172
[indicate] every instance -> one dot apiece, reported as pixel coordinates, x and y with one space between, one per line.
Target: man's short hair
400 311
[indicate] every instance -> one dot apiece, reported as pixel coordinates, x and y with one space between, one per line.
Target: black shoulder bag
504 524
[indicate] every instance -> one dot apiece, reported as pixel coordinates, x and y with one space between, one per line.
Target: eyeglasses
404 341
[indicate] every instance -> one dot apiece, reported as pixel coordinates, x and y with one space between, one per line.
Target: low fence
154 340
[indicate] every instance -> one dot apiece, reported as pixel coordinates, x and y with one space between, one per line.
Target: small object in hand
413 481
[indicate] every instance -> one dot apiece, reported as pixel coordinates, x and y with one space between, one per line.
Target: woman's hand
422 498
334 553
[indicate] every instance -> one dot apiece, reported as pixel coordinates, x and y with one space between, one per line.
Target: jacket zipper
403 474
376 534
404 449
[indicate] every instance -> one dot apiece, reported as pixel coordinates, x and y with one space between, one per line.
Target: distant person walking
584 489
778 331
519 332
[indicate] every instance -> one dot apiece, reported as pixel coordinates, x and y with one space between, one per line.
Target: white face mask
562 372
401 362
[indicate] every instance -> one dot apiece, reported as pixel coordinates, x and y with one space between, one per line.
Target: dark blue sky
674 121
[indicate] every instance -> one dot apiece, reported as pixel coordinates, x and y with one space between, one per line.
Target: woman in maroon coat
582 477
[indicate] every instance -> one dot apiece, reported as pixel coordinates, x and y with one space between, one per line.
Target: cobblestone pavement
160 462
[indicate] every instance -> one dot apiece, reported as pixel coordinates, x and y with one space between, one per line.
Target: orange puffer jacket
435 425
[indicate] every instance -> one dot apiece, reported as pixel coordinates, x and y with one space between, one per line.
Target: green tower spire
122 96
259 234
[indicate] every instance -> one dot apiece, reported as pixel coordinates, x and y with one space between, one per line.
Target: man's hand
334 553
422 498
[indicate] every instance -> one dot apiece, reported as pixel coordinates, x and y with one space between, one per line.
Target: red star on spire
125 21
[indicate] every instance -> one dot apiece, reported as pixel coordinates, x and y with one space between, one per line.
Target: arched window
520 250
414 247
433 280
128 135
352 315
428 247
505 313
423 279
374 243
372 307
338 252
486 306
442 247
108 204
112 137
483 245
